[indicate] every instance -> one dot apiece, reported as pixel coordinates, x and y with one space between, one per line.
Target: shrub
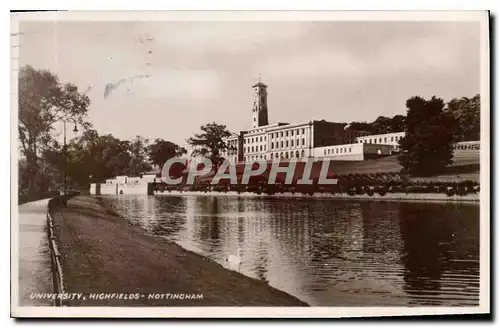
461 191
450 191
382 191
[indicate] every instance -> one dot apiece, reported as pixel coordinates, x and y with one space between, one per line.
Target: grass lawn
465 167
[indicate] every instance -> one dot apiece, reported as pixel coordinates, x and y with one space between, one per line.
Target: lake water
328 252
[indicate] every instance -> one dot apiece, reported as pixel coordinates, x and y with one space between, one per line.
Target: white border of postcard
291 312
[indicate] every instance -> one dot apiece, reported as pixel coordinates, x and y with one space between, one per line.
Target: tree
210 142
467 114
427 146
382 125
103 157
161 150
43 100
398 123
139 156
361 126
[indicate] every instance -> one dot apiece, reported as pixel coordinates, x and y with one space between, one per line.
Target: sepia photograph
250 164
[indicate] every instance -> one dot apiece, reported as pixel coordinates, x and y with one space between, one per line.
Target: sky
199 72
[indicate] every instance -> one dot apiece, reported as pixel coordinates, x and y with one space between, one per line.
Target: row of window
275 135
285 133
290 154
466 147
255 139
286 154
286 144
253 149
380 140
343 150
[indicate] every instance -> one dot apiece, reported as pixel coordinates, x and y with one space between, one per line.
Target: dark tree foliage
43 102
211 142
467 113
381 125
161 150
427 146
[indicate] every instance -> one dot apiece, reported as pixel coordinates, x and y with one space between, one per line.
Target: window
303 141
380 140
252 149
272 145
287 143
281 134
254 119
286 154
297 154
260 148
260 139
337 150
291 133
281 155
264 147
291 154
392 139
303 153
286 133
385 139
264 138
350 150
325 152
291 143
276 155
281 144
303 131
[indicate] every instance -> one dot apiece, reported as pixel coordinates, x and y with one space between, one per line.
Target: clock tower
259 110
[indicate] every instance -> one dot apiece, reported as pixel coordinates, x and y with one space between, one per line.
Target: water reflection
329 252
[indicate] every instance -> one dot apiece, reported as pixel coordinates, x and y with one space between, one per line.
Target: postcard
216 164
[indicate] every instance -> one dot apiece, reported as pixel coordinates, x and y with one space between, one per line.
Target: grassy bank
103 253
465 166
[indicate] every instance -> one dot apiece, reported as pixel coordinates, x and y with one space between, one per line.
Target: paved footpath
34 256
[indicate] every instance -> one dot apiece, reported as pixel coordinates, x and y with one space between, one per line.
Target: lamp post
66 151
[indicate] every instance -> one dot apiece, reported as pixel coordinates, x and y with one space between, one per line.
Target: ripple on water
326 252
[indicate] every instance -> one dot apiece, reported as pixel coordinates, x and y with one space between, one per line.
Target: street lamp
75 129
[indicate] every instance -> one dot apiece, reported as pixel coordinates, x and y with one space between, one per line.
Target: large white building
382 139
283 140
314 138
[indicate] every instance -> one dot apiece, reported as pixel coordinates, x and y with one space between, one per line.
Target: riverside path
33 254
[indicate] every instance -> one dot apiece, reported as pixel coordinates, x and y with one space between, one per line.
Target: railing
55 255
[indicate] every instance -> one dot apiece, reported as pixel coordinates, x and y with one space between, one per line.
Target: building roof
259 84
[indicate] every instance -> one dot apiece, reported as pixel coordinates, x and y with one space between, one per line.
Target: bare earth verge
103 253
